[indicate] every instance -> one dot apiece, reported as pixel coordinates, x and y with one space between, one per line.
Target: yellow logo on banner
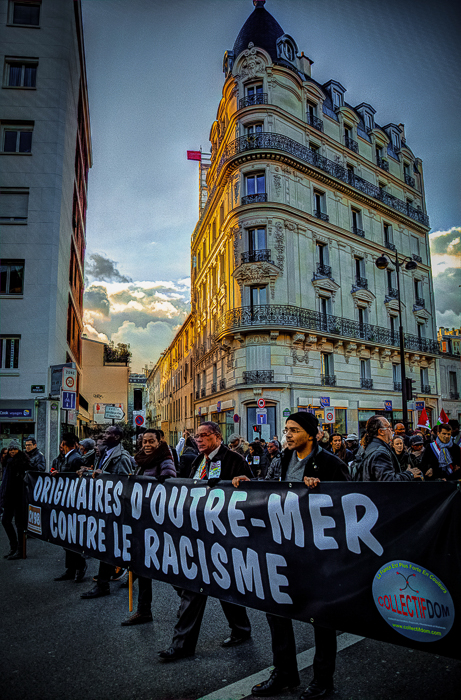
35 519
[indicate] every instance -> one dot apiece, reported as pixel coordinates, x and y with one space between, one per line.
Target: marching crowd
305 453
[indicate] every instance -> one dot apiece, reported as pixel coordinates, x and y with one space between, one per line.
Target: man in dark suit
76 565
214 462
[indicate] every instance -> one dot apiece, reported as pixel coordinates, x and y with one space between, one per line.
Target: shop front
17 423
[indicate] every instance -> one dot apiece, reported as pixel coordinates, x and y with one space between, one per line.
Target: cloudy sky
155 79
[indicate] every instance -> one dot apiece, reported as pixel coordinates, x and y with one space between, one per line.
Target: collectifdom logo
413 601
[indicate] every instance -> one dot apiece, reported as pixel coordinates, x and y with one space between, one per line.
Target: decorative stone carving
362 297
257 340
252 65
230 359
237 234
274 335
349 350
236 183
280 245
325 286
257 273
298 338
290 225
299 356
384 357
278 184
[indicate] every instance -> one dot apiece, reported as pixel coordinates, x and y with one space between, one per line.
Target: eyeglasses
197 436
293 431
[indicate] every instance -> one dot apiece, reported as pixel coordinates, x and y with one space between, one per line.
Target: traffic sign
69 379
236 418
139 418
68 400
261 418
113 413
261 403
72 417
330 415
218 407
286 412
324 401
388 405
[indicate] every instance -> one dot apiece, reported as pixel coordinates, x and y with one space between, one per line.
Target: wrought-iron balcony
197 394
203 393
358 231
417 258
213 388
389 245
323 271
258 376
222 384
263 255
366 383
351 144
397 386
315 122
409 180
383 164
320 215
254 198
328 379
454 395
361 282
259 99
392 293
425 388
420 303
297 318
279 142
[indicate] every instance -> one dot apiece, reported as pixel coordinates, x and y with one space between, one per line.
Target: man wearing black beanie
303 460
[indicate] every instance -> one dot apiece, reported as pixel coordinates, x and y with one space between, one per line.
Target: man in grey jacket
37 459
379 462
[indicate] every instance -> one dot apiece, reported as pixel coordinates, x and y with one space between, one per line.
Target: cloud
96 299
447 297
101 268
445 249
147 343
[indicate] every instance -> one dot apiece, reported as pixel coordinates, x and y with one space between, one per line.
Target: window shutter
14 205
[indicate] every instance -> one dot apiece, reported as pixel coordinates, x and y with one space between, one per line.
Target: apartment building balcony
213 388
315 122
328 379
389 246
322 271
197 394
259 376
222 384
366 383
392 293
203 393
358 231
254 198
419 303
321 215
397 386
263 255
361 283
251 100
410 180
417 258
383 164
454 395
351 144
426 389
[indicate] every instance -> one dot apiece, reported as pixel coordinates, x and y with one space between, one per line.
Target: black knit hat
307 421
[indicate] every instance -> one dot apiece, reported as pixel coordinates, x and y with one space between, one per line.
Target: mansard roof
261 29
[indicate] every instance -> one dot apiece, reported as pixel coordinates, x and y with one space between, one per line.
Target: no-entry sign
261 403
329 415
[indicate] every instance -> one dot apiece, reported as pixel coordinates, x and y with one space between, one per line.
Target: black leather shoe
66 576
316 689
137 619
277 682
233 640
96 592
15 555
80 574
12 551
173 654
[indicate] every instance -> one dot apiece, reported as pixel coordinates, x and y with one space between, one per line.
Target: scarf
153 460
443 455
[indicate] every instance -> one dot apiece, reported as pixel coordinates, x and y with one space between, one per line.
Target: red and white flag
423 421
194 155
443 418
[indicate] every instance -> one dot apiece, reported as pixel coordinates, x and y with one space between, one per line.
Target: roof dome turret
261 29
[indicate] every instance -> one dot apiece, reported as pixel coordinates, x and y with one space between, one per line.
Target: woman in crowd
338 448
257 459
188 454
12 498
400 451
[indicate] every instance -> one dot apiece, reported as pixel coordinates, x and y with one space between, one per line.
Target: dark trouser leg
7 522
325 654
104 574
187 628
283 646
144 595
237 618
74 561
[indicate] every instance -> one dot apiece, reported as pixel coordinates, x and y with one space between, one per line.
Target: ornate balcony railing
397 386
315 122
425 388
328 379
417 258
358 231
351 144
203 393
258 376
263 255
254 198
250 100
383 164
454 395
321 215
389 246
392 293
280 142
323 271
420 303
287 316
222 384
213 388
366 383
361 283
197 394
409 180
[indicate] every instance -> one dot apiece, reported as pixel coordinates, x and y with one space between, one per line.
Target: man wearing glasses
215 462
379 462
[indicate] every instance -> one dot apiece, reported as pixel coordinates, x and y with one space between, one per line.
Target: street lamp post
382 263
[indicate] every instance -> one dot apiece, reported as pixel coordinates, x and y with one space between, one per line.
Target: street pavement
56 646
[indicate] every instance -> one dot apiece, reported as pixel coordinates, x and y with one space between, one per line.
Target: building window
256 239
255 184
258 296
16 138
254 90
25 13
12 277
453 384
319 205
311 109
424 375
357 222
137 400
396 375
394 328
253 129
359 267
325 306
418 288
363 316
328 372
395 140
337 98
14 205
368 121
9 352
20 73
388 235
365 369
421 329
322 254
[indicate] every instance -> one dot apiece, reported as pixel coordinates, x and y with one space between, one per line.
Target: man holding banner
303 460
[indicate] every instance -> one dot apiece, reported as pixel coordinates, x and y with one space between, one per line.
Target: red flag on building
424 420
443 418
194 155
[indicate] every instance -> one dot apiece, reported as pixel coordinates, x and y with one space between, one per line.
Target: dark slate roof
262 29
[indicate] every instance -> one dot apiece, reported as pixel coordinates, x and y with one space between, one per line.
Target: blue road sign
325 401
69 400
261 418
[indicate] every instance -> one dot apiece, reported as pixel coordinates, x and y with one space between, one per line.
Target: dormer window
337 99
368 120
286 48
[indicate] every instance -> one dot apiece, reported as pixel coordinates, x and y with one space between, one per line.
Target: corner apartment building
450 370
304 192
45 155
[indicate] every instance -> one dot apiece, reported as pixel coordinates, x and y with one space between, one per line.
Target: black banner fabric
382 560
